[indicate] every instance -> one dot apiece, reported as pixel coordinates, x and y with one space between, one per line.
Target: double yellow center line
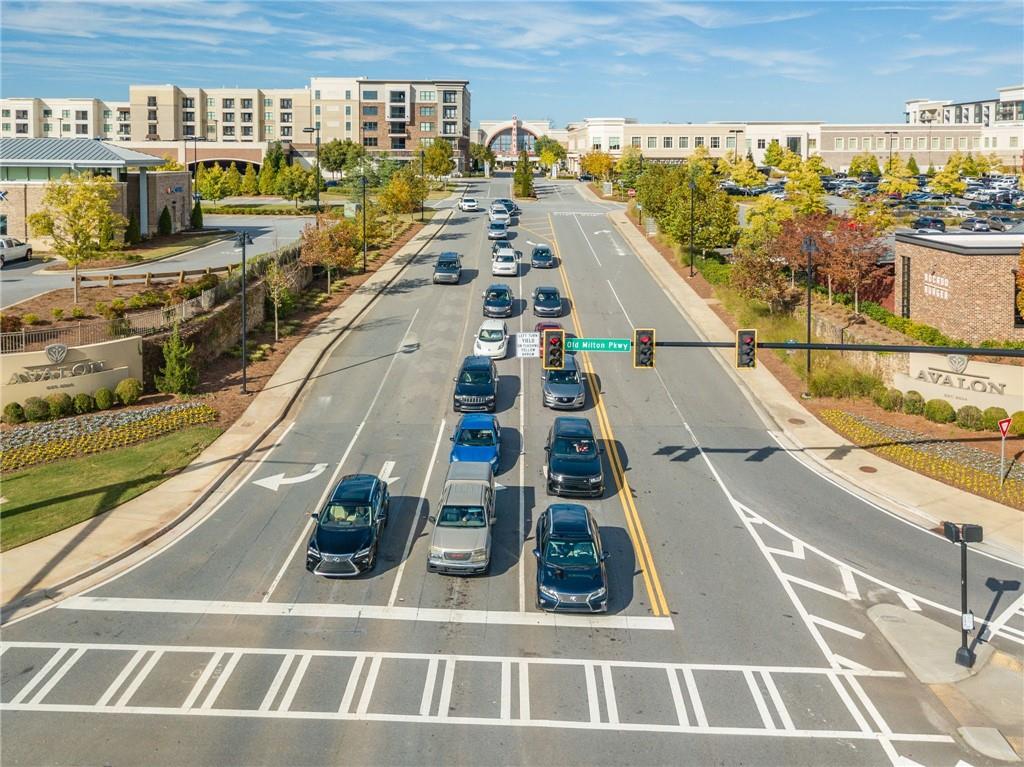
642 550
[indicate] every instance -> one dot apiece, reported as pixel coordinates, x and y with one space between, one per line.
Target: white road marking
592 703
385 472
445 701
849 584
780 706
136 683
759 701
350 686
506 690
609 694
1017 607
222 679
796 552
406 553
677 697
816 587
275 481
40 675
337 469
123 676
521 548
367 612
850 664
695 702
428 687
836 627
858 717
275 686
296 680
57 676
619 302
524 691
371 682
587 239
908 601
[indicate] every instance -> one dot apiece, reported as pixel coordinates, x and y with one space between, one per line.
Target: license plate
458 555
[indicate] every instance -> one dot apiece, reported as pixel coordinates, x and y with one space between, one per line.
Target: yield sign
1004 426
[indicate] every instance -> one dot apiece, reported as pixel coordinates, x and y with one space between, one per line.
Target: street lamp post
363 184
889 134
736 143
241 240
317 170
809 247
693 194
639 208
422 176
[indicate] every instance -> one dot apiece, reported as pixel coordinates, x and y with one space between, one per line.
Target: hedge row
62 405
940 411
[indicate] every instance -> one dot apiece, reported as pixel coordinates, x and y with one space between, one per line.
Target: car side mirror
536 553
433 519
451 438
455 380
605 556
313 514
547 449
600 450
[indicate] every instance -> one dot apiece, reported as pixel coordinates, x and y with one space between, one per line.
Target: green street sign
598 344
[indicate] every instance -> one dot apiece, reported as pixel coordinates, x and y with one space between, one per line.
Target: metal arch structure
513 127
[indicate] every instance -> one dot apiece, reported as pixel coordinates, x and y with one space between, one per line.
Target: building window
397 143
426 141
908 142
266 102
21 114
3 224
427 96
286 130
762 143
286 103
316 96
66 113
80 130
935 142
428 111
698 141
449 129
286 117
730 142
596 146
211 102
450 97
634 141
65 128
652 142
107 127
316 110
269 130
812 145
229 130
7 113
106 114
268 116
23 128
188 103
246 103
150 102
348 110
397 113
684 142
369 125
187 130
396 97
427 127
976 142
7 127
247 117
80 114
227 103
995 142
716 142
666 142
853 143
370 96
949 142
963 142
189 117
369 141
922 142
348 95
152 130
614 143
228 117
47 127
449 113
1014 141
246 130
152 114
369 110
348 127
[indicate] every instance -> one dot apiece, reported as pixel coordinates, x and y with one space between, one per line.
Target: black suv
498 301
348 527
574 459
928 222
476 385
571 574
448 268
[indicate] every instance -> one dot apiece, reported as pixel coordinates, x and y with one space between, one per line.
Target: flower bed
926 457
94 433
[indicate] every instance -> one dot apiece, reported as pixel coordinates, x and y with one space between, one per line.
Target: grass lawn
171 246
44 499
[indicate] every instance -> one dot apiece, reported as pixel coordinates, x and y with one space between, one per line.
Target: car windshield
571 553
497 225
344 516
544 295
542 254
491 334
563 377
461 516
476 438
575 446
469 200
478 376
447 266
498 295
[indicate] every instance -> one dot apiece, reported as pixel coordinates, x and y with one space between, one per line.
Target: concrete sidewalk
920 499
51 567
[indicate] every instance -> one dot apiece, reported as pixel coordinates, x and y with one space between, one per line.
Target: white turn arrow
603 231
385 472
274 482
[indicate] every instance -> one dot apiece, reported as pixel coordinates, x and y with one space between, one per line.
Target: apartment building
1007 107
59 118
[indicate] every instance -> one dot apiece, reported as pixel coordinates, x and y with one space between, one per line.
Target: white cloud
719 16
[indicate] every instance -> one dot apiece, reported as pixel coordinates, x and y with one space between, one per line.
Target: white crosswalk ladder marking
40 675
121 678
759 701
136 683
371 682
428 687
296 680
279 677
222 679
197 688
350 687
57 676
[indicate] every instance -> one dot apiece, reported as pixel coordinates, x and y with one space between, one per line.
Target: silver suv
564 389
461 543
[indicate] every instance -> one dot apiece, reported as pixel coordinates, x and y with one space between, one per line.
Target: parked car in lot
461 541
564 389
586 177
448 268
547 302
1001 223
573 459
468 204
12 249
929 222
477 438
960 211
975 225
346 536
498 301
542 257
492 339
497 230
571 573
476 385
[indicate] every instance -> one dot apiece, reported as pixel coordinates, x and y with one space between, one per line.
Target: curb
134 264
52 592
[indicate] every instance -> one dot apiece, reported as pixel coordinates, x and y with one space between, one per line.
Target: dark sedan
573 459
498 301
571 573
929 222
348 528
476 385
542 257
547 302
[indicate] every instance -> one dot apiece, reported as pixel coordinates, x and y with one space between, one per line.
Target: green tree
197 215
164 224
931 171
872 213
815 163
77 214
790 161
912 166
804 189
275 157
178 375
437 159
386 168
550 151
336 155
132 234
293 183
948 181
481 154
598 164
523 177
250 185
332 244
654 187
758 277
402 193
213 184
764 221
898 178
714 212
267 179
169 165
746 174
864 163
232 181
773 154
629 166
279 283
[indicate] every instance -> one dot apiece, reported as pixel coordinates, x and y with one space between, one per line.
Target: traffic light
746 348
643 347
553 357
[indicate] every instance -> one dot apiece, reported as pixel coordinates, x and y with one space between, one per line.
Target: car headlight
598 594
594 480
312 548
363 553
550 593
557 477
436 552
478 555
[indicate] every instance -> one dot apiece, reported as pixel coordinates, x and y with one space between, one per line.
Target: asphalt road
21 279
736 634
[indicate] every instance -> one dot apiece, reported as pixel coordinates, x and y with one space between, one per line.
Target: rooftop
71 153
968 243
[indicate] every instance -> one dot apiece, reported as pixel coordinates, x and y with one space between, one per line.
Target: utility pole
693 193
810 247
422 176
317 169
363 181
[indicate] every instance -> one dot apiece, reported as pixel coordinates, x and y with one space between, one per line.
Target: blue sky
656 61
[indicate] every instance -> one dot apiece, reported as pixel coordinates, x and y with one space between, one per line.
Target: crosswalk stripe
296 680
197 688
279 677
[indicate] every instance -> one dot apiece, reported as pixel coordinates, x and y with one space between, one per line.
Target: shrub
129 390
207 281
105 399
969 417
939 411
31 319
197 216
913 403
61 405
177 376
14 413
118 307
77 312
841 380
37 409
57 312
84 403
133 234
10 323
892 400
1017 423
991 417
163 226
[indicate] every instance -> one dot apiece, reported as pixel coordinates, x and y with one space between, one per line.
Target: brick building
964 284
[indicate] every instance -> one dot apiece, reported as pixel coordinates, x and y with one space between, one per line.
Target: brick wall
24 199
968 297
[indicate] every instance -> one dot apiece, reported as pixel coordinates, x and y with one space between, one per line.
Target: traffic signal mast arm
966 350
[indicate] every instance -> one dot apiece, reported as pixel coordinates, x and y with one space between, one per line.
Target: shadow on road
621 567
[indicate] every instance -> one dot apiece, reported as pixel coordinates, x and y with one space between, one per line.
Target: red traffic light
645 339
555 341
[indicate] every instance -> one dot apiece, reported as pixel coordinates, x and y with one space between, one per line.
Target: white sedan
12 249
505 264
492 339
468 204
498 214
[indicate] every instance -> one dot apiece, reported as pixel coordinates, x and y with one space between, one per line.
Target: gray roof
71 153
966 243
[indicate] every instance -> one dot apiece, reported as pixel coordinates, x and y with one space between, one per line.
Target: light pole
422 176
809 247
317 131
889 134
639 207
241 240
736 143
363 184
693 193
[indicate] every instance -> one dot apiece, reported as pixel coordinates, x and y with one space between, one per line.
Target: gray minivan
461 543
